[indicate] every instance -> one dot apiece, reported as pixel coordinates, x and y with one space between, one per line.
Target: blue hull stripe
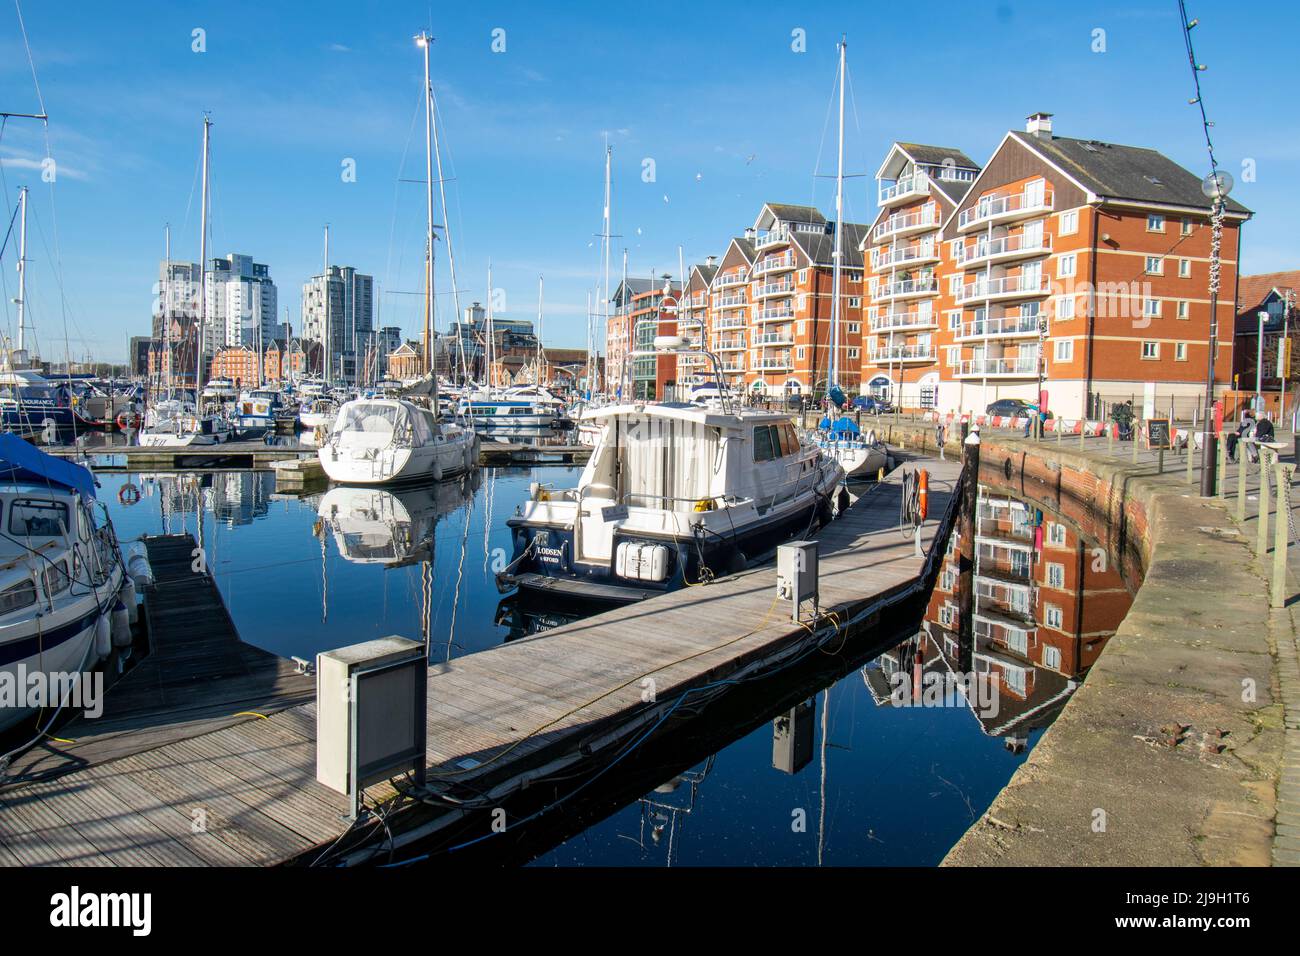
31 646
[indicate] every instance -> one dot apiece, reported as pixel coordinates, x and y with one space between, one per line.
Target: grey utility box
370 714
796 573
792 738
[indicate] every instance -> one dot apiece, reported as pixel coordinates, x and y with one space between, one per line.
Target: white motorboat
380 440
173 423
61 576
860 455
220 390
320 413
672 494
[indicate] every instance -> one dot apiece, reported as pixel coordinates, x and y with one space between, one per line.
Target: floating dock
222 770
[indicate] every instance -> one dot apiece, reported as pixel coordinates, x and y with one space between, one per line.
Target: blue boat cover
20 461
841 426
837 396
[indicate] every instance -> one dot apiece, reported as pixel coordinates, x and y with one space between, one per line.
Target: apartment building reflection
1041 601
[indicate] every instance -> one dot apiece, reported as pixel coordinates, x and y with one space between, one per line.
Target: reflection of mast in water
821 813
662 814
318 529
489 497
426 603
460 570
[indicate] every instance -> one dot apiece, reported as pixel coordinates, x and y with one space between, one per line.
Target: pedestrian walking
940 434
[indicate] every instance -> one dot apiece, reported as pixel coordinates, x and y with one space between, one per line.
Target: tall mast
166 300
22 270
446 220
489 339
203 270
591 360
328 336
833 375
625 303
424 40
538 377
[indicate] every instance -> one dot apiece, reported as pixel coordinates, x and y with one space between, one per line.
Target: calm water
866 783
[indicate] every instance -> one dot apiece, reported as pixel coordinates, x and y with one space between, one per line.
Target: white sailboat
838 437
382 440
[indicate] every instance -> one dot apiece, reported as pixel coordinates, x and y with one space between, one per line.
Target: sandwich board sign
1158 433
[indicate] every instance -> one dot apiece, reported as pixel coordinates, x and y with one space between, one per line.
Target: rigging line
397 186
830 102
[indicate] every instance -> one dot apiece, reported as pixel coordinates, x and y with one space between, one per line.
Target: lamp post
1216 187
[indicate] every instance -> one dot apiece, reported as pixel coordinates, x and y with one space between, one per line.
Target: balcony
733 366
909 187
767 364
774 288
777 237
890 258
905 288
905 224
774 338
730 301
1001 327
732 322
731 278
898 321
1005 249
783 263
995 208
1005 287
731 345
1018 366
902 354
774 315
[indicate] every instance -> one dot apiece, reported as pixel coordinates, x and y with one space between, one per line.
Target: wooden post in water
1280 537
1263 501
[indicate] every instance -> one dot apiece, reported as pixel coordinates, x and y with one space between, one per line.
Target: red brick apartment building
1102 250
643 310
1275 295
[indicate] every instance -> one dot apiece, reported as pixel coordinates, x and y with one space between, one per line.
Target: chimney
1039 125
711 261
750 233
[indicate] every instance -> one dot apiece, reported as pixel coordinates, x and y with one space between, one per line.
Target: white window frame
1180 352
1067 266
1064 351
1055 573
1053 616
1056 533
1185 310
1152 309
1069 222
1156 223
1155 352
1155 266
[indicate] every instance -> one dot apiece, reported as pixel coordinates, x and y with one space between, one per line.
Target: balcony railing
904 255
1000 327
923 285
730 301
774 264
900 223
774 288
918 184
1005 287
773 315
1016 365
782 363
774 238
902 353
1007 247
733 366
731 278
902 320
733 322
731 345
1005 207
774 338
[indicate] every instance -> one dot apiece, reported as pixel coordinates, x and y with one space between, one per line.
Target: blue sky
714 94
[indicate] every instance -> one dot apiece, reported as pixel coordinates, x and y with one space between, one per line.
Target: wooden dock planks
536 700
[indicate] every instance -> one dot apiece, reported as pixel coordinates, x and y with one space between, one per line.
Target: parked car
873 405
1013 408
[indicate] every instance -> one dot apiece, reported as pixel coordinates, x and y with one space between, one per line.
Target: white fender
127 597
103 637
121 626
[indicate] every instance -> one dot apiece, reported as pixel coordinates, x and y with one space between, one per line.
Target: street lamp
1216 187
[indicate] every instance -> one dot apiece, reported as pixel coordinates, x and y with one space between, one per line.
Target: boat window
764 447
56 578
35 518
368 418
789 443
20 595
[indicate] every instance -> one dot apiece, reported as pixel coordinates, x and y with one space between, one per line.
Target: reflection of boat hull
392 528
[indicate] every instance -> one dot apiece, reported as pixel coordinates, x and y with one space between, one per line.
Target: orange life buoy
128 494
128 419
923 493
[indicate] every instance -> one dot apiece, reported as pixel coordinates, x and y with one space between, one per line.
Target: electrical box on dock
796 573
370 714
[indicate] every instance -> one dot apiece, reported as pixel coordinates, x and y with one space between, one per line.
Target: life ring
128 419
128 494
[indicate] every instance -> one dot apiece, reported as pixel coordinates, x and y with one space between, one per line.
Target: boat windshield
365 417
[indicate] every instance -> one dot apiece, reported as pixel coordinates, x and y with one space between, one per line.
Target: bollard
1160 461
1133 437
1190 456
1241 482
1083 430
1058 431
1223 470
1110 440
1280 538
1263 501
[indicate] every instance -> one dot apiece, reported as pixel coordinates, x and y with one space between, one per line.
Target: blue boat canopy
20 461
841 426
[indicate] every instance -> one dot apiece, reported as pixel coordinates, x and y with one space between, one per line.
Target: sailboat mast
424 40
836 269
446 219
203 270
538 377
22 269
591 360
328 336
489 343
166 301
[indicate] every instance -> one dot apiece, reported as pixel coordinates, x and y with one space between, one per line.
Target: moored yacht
673 494
60 576
860 455
380 440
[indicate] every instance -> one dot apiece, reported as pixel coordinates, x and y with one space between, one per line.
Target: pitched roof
1113 171
706 271
1253 290
937 155
788 212
818 247
954 190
